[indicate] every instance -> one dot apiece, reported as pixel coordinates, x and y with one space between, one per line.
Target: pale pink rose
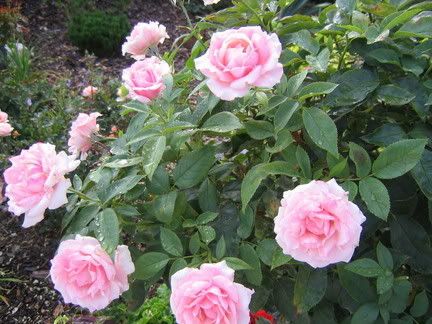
89 91
317 224
36 181
85 275
143 37
239 59
80 134
5 128
210 2
209 295
145 79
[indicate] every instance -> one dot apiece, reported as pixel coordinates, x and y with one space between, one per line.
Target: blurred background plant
5 280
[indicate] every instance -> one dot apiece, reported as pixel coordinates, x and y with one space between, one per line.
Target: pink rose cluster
5 128
81 132
144 79
239 59
317 224
85 275
36 181
209 295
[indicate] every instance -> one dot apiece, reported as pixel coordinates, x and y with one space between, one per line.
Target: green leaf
122 163
136 106
385 282
385 135
220 248
346 6
284 139
279 258
316 89
206 217
352 189
394 96
384 257
294 83
159 183
320 62
361 159
420 305
246 223
304 162
253 178
119 187
152 152
399 299
321 129
80 220
149 264
398 158
339 168
366 314
248 254
208 233
358 287
194 243
309 289
284 114
222 122
422 174
208 196
273 103
177 265
384 55
419 26
107 229
304 39
365 267
265 249
171 242
259 129
376 197
163 207
193 167
398 18
237 264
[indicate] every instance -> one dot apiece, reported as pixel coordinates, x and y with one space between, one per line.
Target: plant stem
255 13
82 195
183 8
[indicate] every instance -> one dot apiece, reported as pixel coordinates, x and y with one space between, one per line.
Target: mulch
25 253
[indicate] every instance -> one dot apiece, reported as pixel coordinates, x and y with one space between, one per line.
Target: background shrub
99 32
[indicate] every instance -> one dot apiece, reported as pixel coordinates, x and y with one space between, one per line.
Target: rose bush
295 152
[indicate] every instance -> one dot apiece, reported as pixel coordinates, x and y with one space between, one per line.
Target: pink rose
5 128
145 79
209 295
143 37
89 91
85 275
239 59
317 224
80 134
36 181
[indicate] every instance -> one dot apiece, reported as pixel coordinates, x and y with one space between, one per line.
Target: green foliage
98 32
200 180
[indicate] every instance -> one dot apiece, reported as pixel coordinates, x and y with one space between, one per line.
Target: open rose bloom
210 2
145 79
239 59
81 132
5 128
209 295
36 181
85 275
317 224
143 37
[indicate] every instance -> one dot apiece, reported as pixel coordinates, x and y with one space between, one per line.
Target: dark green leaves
361 159
193 167
310 287
398 158
422 173
222 122
394 96
316 89
376 197
365 267
107 229
321 129
259 129
149 264
366 314
171 242
248 254
153 150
